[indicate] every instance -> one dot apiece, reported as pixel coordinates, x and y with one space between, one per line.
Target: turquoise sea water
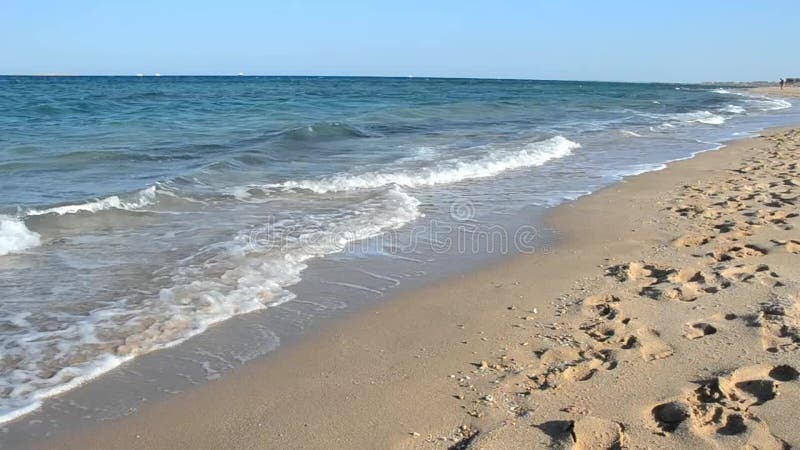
137 212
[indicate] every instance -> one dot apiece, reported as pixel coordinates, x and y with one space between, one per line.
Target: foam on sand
260 264
769 103
15 236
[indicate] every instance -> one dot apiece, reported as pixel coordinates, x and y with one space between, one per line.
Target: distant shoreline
788 91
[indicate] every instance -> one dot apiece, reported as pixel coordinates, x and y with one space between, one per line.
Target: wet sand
667 317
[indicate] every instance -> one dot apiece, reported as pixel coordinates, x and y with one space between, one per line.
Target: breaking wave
445 172
143 198
44 361
15 236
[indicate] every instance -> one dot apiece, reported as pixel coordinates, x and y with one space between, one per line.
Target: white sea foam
768 103
721 91
15 236
444 172
662 127
692 117
62 381
706 117
764 103
630 133
260 264
733 109
143 198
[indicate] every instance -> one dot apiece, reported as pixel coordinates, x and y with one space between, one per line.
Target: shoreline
788 91
130 392
378 377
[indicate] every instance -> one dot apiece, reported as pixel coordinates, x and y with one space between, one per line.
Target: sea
139 213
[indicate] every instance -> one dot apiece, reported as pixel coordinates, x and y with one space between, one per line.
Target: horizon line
242 75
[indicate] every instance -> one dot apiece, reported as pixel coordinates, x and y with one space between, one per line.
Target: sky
671 41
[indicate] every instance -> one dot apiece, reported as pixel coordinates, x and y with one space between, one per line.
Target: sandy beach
791 90
382 225
667 316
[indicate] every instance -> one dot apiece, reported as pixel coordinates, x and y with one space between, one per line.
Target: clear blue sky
588 40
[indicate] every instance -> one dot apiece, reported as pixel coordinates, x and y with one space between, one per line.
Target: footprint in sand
736 236
604 306
590 433
684 293
692 240
686 285
568 364
698 330
670 415
723 422
688 211
779 200
726 226
779 320
711 214
661 282
778 218
651 345
755 385
639 271
791 246
606 326
750 273
718 409
581 371
609 333
737 252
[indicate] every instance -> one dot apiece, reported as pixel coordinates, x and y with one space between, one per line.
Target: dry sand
667 318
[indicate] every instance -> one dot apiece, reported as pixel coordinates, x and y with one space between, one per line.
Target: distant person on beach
783 82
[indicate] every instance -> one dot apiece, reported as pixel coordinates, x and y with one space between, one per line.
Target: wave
762 102
97 156
768 103
630 133
15 236
706 117
324 131
445 172
142 198
721 91
692 117
260 265
733 109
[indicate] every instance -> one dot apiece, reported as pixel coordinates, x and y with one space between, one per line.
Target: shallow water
137 212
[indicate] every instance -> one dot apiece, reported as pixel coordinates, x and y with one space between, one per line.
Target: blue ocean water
135 212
